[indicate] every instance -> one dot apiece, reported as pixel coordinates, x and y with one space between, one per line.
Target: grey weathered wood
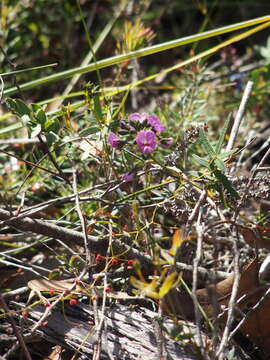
127 334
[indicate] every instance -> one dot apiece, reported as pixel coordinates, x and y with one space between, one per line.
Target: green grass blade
142 52
205 53
28 69
12 127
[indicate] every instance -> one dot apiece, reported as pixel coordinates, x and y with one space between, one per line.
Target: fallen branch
97 245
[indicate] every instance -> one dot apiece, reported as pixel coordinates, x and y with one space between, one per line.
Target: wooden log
126 334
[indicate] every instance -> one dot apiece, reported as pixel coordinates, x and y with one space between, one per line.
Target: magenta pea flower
128 177
146 141
113 140
154 121
137 117
150 120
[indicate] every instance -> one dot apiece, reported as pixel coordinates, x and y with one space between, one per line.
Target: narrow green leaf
98 109
10 128
222 135
201 161
226 154
169 283
226 183
89 131
206 144
220 164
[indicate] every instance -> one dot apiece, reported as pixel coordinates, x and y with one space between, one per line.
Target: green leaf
226 154
35 107
89 131
201 161
206 144
98 109
220 164
52 124
169 283
226 183
36 130
222 135
54 274
18 107
51 138
41 117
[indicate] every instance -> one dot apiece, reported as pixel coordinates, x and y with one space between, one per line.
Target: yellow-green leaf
169 283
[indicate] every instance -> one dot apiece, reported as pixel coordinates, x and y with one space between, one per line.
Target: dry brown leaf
257 323
259 237
220 290
249 279
58 286
38 286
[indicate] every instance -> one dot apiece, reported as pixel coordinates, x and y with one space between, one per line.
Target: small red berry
115 261
52 292
130 262
67 291
25 314
107 289
98 258
73 302
47 304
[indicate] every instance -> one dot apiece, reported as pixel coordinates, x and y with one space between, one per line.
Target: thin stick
19 141
239 116
196 261
15 328
231 307
83 222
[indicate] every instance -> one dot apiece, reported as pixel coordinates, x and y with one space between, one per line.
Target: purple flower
155 123
146 141
148 119
137 117
128 177
113 140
